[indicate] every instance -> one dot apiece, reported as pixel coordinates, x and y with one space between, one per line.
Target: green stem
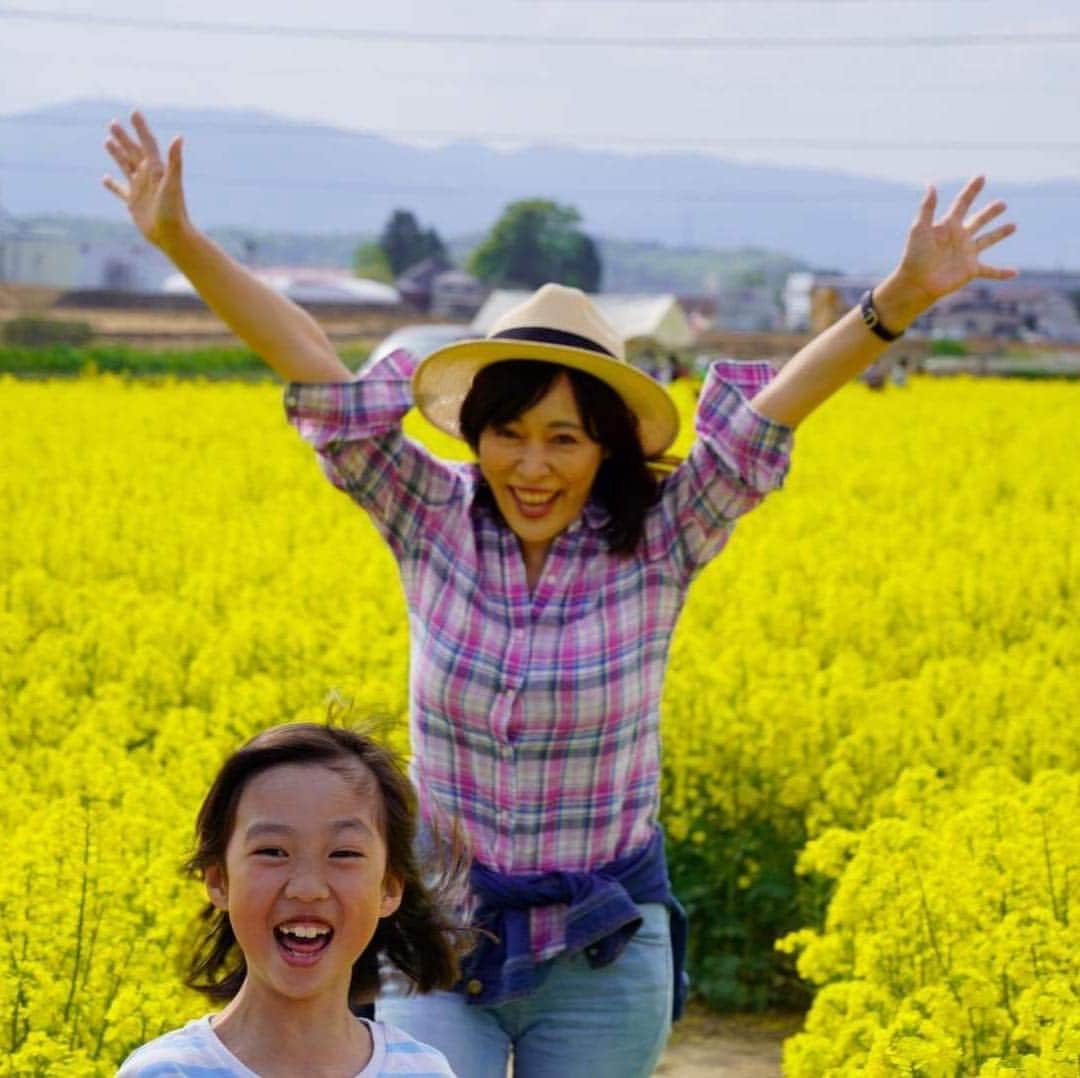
933 936
81 920
1050 871
109 997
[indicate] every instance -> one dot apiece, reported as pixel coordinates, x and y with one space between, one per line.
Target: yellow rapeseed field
888 652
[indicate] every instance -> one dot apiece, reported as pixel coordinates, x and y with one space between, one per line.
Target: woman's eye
268 851
565 439
346 853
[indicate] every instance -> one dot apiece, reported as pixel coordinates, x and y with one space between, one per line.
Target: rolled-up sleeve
738 457
355 427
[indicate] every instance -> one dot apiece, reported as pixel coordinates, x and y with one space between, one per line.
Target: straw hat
558 325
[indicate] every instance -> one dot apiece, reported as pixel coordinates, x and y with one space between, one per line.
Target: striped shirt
195 1051
534 716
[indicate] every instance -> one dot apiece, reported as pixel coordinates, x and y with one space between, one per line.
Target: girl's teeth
305 932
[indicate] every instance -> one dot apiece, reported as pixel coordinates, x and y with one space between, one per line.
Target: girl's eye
269 851
504 432
565 439
346 853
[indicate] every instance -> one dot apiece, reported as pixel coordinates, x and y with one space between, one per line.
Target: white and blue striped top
196 1052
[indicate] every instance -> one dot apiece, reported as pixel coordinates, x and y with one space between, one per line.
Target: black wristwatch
872 320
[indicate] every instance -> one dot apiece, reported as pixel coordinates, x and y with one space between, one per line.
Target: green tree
535 241
370 261
405 243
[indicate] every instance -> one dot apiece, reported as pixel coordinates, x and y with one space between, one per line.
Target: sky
910 90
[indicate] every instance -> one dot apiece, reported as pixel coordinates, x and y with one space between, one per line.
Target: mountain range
254 170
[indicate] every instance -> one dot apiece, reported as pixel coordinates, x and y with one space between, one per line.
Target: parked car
421 340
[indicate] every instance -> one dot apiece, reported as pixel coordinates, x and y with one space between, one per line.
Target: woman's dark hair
624 485
421 937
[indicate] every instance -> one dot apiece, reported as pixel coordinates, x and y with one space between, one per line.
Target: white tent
654 329
312 286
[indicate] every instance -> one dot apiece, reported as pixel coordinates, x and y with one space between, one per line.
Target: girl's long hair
424 937
625 485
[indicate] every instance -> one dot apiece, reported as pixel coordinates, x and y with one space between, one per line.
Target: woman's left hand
940 257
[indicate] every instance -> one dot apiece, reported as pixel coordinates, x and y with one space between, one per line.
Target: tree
535 241
370 261
404 242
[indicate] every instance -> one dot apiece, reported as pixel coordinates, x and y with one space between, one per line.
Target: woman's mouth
533 504
301 943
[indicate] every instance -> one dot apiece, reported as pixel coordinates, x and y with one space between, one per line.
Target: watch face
872 319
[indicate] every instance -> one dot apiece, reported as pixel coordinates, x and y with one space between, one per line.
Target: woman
543 586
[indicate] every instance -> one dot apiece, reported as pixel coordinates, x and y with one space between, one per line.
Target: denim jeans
581 1022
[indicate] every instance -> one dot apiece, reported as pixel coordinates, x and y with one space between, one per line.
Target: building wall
56 261
42 260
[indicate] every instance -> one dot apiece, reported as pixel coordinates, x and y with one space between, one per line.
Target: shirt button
474 987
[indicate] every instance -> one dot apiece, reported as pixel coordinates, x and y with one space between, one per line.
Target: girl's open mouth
533 504
301 943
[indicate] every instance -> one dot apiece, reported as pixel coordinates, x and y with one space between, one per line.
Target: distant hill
256 171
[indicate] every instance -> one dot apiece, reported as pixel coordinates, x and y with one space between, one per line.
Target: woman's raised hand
151 188
940 257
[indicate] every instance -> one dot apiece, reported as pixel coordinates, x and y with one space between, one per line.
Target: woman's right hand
153 191
285 335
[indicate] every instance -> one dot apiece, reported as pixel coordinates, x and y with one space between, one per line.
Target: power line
907 195
979 39
442 78
688 142
745 3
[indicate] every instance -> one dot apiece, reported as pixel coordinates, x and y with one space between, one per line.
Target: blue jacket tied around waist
601 920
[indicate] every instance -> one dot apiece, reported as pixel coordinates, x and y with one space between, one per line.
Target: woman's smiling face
541 467
305 880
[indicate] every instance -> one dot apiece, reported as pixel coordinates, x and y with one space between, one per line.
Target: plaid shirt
535 715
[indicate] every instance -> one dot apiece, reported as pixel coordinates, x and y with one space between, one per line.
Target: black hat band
546 335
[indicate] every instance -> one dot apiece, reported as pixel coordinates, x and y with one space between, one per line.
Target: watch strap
872 320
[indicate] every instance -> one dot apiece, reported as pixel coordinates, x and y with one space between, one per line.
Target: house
1046 313
655 329
456 294
796 302
40 255
975 312
748 309
1033 306
415 283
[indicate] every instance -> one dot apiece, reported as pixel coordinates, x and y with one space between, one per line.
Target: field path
714 1046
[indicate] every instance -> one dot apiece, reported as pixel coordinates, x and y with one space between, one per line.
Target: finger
121 157
174 166
984 216
176 156
996 236
146 136
962 203
996 273
925 216
117 189
120 135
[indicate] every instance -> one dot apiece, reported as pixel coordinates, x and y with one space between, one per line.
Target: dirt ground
714 1046
144 326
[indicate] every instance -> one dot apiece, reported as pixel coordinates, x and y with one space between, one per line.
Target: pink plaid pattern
535 717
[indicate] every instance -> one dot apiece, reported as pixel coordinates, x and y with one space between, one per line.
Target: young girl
544 583
305 843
